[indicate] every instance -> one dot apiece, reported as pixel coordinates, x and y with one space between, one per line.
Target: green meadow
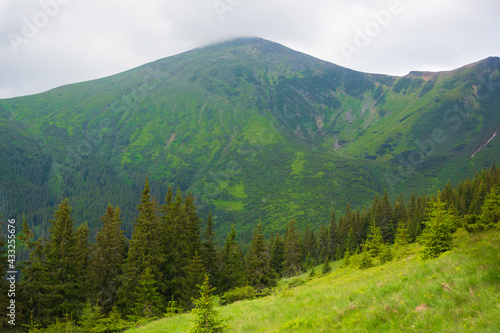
457 292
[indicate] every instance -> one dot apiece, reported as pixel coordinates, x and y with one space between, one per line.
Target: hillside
458 292
255 130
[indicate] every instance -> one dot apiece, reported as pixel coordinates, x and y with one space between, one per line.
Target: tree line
172 252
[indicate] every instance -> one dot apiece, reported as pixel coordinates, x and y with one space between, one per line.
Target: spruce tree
333 237
386 221
490 211
260 275
65 295
310 245
33 278
366 260
206 318
209 253
107 258
385 254
437 236
277 254
326 266
233 270
145 251
292 252
147 302
350 244
195 276
373 244
83 252
323 244
402 240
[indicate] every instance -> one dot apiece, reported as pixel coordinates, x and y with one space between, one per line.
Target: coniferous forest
173 264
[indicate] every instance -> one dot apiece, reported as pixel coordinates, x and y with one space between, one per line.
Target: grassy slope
460 290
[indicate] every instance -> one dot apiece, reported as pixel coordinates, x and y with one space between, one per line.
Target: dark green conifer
260 274
490 211
195 276
32 284
233 270
373 243
333 237
145 251
107 258
277 254
323 244
293 255
209 253
326 266
147 302
65 295
437 236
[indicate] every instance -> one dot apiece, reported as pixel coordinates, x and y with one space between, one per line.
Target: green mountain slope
257 131
457 292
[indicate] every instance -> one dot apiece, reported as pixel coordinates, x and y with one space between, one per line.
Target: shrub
296 282
386 254
239 294
366 261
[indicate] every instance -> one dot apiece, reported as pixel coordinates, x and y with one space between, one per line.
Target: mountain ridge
256 131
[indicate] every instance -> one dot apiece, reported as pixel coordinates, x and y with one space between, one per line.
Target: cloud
83 40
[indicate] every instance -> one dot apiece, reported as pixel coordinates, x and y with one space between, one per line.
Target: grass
457 292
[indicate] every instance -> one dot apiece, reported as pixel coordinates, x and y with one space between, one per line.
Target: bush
296 282
239 294
366 261
386 254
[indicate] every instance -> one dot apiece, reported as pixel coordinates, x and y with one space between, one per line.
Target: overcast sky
48 43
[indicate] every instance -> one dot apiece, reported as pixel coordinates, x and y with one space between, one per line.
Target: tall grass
457 292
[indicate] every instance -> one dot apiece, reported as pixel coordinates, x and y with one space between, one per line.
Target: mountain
255 130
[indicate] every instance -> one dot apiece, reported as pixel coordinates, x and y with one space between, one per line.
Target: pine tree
490 211
373 244
145 251
206 318
366 260
147 302
195 276
64 281
385 254
260 275
326 266
233 271
323 244
333 237
437 236
277 254
402 240
310 245
312 273
83 252
292 251
350 244
386 222
33 278
107 258
209 253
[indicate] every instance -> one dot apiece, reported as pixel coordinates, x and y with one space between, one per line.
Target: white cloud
95 38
